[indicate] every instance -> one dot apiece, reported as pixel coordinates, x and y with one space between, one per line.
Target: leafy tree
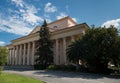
44 51
3 57
97 48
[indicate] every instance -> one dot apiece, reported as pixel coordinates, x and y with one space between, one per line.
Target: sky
19 17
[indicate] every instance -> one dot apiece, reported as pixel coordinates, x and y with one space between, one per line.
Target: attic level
58 24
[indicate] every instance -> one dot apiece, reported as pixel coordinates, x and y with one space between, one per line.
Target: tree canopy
97 48
3 57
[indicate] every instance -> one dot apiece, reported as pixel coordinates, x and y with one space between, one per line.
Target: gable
58 24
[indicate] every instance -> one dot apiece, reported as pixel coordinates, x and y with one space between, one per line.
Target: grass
13 78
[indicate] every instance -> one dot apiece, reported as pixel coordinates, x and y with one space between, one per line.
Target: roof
84 24
53 29
67 17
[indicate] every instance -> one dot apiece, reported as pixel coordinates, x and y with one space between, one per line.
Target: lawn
13 78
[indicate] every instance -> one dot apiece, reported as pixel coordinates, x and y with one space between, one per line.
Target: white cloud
48 20
15 26
28 12
29 15
18 2
62 15
2 43
115 22
20 21
50 8
74 19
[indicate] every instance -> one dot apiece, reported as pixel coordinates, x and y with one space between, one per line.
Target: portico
22 50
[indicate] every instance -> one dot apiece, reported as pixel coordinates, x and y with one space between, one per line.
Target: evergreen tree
44 50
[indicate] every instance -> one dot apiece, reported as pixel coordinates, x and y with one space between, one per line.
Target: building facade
63 32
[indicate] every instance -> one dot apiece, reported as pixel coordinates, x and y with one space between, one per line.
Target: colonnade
22 54
60 49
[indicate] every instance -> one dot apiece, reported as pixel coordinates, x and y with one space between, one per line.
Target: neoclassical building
63 32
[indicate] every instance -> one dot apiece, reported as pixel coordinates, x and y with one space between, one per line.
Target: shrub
39 67
62 67
3 57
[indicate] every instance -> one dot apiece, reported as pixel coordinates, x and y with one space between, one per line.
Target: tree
3 57
44 51
97 48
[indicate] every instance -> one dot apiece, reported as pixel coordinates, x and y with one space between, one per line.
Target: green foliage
44 49
62 67
96 49
3 57
39 67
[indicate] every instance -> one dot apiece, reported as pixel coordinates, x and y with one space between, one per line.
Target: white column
33 52
72 38
24 54
28 53
14 56
83 32
57 52
20 50
10 56
17 55
64 50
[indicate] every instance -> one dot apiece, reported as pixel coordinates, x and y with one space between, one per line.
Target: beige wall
22 49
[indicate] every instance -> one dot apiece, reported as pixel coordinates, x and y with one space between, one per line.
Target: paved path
65 77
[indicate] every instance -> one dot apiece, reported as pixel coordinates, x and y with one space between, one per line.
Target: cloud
115 22
18 2
15 26
29 15
50 8
28 12
74 19
62 15
2 43
20 21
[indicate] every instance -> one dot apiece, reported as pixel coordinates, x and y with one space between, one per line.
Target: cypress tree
44 49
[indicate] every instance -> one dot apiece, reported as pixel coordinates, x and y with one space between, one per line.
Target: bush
53 67
3 57
62 67
1 68
39 67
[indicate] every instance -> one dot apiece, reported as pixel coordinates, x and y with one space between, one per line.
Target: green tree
3 57
97 48
44 47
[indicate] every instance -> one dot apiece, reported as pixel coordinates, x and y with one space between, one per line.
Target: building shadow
65 74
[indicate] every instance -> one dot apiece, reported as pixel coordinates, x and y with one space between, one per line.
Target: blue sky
19 17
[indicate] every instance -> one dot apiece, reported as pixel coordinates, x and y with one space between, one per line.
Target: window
55 27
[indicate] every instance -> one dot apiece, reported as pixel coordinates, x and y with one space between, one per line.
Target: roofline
55 31
73 26
62 19
55 22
